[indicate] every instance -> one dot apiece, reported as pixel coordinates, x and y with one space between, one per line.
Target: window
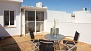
8 18
31 15
39 16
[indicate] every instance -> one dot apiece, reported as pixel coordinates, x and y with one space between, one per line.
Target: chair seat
68 42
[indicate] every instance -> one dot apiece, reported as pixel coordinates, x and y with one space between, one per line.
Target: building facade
10 16
17 20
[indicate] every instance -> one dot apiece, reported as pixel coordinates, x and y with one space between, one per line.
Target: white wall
13 0
82 16
67 27
11 6
59 16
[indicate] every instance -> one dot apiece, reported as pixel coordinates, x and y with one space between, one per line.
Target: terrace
22 43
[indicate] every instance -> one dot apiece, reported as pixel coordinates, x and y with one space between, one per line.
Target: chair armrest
69 36
74 41
70 41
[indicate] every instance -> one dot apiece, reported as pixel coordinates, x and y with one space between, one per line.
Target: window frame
9 19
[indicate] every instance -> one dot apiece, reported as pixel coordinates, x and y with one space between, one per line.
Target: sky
61 5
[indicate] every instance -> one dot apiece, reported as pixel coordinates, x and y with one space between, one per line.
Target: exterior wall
45 20
10 6
82 16
13 0
59 16
67 27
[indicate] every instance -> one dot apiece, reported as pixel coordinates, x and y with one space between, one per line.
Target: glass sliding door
29 20
39 21
39 26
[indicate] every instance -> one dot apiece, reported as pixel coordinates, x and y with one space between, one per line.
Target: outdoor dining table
56 39
51 37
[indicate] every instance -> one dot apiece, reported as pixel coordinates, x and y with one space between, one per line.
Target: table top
58 37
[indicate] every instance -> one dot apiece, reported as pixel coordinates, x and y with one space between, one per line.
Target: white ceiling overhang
31 8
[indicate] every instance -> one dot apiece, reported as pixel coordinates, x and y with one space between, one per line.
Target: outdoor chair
71 45
34 41
46 45
57 30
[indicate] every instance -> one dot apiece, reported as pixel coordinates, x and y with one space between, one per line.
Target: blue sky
61 5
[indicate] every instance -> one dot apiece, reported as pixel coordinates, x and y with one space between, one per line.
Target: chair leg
72 48
67 48
57 45
35 49
75 49
35 46
64 48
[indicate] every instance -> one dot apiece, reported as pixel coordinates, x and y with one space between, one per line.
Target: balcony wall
13 0
67 27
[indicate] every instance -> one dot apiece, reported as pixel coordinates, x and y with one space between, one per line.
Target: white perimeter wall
67 27
10 6
82 16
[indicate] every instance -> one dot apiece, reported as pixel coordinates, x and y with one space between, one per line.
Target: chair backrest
42 40
46 45
57 30
51 30
32 34
76 36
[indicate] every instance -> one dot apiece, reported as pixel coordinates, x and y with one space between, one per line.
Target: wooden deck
22 43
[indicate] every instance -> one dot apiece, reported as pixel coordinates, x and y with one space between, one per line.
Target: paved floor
22 43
